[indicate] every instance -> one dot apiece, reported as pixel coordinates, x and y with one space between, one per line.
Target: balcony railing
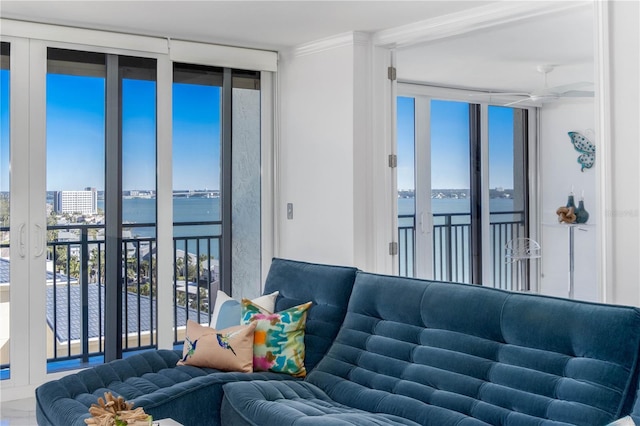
451 246
76 287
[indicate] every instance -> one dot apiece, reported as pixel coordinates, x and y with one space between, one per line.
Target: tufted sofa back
327 286
441 353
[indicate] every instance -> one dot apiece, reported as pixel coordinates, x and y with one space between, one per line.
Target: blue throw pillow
227 310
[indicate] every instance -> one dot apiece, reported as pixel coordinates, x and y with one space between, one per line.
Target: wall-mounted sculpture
586 148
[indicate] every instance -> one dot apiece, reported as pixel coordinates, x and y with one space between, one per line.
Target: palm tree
96 258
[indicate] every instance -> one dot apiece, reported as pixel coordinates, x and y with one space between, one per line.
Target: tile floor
21 412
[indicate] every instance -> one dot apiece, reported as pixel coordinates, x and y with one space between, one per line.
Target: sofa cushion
299 403
150 380
328 286
499 357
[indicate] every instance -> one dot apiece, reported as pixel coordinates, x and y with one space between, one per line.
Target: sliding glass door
461 188
197 174
131 189
450 191
216 188
75 176
101 211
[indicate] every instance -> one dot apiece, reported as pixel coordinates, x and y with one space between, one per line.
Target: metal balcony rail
76 287
451 246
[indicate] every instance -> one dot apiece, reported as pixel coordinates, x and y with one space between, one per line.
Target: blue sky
196 136
4 130
450 145
75 137
76 141
138 134
75 132
500 147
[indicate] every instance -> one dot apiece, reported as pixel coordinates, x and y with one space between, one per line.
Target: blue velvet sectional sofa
394 351
192 395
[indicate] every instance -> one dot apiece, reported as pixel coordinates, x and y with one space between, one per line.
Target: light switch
289 211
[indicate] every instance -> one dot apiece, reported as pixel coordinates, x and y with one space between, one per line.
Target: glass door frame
28 179
28 175
424 218
20 229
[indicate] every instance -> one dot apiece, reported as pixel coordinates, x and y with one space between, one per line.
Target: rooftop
139 309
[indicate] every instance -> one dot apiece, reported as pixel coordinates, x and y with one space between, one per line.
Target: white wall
623 285
622 177
560 172
318 167
334 98
316 154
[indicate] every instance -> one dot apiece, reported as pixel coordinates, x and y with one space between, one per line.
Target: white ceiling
501 58
272 25
505 58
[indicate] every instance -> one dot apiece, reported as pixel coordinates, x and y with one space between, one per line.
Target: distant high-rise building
83 202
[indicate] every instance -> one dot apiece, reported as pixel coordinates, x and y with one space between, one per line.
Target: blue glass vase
571 202
582 216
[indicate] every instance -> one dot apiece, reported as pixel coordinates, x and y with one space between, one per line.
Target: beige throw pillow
230 349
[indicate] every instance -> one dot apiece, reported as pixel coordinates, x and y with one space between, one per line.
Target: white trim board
603 131
340 40
469 20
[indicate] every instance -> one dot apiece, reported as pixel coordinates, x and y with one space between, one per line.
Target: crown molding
352 38
470 20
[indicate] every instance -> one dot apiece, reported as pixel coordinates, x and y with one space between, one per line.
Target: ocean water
443 206
143 210
461 256
406 206
188 237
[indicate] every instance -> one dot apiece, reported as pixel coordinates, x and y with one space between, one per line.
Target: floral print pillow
278 340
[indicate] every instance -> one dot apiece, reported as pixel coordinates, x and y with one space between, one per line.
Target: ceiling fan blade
562 89
577 94
516 102
496 94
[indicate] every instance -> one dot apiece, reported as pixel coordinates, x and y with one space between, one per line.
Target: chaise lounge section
431 353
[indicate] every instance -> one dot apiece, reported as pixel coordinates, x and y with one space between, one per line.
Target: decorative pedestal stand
571 227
